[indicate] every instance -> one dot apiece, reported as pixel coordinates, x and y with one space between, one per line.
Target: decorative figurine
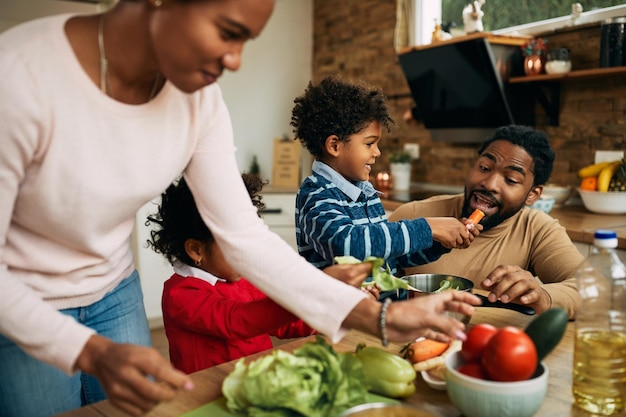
473 16
439 34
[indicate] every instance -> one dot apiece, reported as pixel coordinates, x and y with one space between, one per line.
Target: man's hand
123 371
510 283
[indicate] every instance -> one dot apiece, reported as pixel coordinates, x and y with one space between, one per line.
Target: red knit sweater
210 324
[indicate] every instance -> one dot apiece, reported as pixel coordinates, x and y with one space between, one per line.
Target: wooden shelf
572 75
546 87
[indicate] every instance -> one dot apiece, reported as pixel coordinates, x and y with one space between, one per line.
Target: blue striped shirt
335 217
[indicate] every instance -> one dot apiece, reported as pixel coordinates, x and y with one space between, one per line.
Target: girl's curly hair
337 107
178 219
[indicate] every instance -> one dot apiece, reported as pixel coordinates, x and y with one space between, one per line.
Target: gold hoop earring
198 262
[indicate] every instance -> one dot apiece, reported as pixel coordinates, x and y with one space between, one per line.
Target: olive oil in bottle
599 382
599 368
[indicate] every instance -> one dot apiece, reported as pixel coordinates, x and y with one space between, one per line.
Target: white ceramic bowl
480 398
558 67
545 203
609 202
561 193
433 382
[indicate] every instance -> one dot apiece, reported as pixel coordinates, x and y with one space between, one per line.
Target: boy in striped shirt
338 211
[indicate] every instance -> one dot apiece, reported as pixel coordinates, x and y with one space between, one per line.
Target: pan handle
510 306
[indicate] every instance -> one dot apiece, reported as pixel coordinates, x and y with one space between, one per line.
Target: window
416 18
504 16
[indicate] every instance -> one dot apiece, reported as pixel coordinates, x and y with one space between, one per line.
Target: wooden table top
558 401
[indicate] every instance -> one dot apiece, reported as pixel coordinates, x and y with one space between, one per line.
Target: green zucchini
546 330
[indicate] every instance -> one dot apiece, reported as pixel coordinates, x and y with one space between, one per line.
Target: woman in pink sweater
89 106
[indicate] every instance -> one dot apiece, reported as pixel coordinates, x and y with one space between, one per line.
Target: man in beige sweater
523 255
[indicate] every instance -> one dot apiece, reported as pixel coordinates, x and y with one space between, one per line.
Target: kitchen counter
558 401
578 221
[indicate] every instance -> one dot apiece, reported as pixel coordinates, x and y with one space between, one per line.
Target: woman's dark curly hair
337 107
178 219
534 142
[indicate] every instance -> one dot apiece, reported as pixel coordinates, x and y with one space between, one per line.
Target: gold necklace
104 66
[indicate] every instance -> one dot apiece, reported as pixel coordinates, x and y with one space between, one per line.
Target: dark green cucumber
546 330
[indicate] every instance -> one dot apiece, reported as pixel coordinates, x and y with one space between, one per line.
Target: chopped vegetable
438 360
476 216
314 381
385 280
386 374
423 349
448 285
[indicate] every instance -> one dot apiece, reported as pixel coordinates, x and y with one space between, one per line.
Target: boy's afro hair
337 107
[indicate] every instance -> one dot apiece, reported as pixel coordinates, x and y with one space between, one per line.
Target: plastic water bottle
599 379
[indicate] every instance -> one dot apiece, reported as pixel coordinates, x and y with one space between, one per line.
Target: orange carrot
424 349
476 216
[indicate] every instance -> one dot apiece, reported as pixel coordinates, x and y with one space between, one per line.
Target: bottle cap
605 238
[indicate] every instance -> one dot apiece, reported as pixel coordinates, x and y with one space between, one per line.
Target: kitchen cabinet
280 214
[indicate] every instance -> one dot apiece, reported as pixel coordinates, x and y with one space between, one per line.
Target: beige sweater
531 239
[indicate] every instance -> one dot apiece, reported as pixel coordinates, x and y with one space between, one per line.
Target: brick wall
355 38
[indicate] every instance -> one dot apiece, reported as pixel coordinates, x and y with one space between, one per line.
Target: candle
383 180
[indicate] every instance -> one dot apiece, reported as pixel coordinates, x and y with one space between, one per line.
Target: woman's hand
424 316
123 371
417 317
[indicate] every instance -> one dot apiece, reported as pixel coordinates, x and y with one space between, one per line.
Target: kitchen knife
510 306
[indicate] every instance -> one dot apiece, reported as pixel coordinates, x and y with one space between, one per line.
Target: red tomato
477 338
510 355
473 369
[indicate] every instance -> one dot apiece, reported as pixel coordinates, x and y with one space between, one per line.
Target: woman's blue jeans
30 388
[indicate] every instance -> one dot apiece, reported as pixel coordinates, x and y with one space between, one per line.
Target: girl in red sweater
211 314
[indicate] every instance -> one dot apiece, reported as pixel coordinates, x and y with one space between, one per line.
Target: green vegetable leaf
382 276
444 285
314 381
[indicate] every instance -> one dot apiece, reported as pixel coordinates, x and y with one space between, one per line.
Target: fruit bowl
604 202
476 397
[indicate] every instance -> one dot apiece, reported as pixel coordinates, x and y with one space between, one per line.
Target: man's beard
489 221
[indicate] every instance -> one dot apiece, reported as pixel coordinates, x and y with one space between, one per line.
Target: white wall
276 68
13 12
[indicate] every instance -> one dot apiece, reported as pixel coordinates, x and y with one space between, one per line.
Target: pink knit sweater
76 165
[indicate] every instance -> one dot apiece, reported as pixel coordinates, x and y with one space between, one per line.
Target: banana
593 170
604 177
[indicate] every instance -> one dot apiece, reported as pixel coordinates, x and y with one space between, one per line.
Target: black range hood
459 87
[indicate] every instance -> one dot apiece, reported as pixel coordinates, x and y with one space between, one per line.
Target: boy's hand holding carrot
473 223
451 232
